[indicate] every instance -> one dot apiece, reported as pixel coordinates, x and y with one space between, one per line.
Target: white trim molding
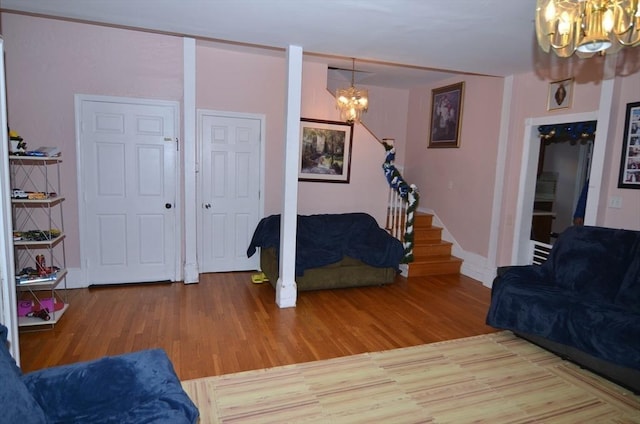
474 266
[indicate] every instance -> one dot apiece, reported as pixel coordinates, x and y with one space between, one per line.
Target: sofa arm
529 273
136 387
501 270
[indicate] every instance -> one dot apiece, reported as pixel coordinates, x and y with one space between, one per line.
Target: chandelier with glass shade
587 27
352 102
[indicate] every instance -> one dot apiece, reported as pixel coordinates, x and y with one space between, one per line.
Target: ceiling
396 43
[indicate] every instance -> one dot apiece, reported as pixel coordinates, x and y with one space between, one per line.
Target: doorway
522 245
563 169
230 186
127 169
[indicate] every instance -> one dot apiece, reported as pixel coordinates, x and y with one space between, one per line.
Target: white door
127 161
229 190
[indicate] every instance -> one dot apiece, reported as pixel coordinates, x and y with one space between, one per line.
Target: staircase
431 255
424 251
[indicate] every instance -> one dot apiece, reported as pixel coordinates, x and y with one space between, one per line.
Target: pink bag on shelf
24 307
27 306
50 303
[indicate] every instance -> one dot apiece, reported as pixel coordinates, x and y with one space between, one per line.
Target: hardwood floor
226 324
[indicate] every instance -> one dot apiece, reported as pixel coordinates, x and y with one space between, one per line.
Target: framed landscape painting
325 151
446 114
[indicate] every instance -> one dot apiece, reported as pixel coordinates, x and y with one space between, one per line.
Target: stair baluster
403 202
431 255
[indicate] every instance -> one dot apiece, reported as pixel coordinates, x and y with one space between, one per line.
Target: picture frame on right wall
560 94
630 157
446 115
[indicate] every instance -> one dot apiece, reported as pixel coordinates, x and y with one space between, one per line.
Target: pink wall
228 81
366 191
49 61
387 117
629 215
530 93
457 183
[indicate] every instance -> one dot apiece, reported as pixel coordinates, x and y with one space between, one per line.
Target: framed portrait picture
446 115
630 158
560 94
325 151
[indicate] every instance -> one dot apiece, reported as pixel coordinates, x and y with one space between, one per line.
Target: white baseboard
474 265
404 270
75 279
191 274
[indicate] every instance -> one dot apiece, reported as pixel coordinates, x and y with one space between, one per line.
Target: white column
607 87
8 303
191 271
286 288
498 183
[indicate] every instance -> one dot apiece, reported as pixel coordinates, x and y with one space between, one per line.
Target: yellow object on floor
259 278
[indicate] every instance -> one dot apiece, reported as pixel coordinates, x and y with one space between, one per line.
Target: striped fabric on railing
403 203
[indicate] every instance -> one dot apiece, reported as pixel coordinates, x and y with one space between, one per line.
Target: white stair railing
396 214
539 252
403 202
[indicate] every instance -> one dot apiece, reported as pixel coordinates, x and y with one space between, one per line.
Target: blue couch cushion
537 307
138 387
325 239
603 330
606 331
18 406
629 294
591 261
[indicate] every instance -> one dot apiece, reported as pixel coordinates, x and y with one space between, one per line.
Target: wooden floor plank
226 324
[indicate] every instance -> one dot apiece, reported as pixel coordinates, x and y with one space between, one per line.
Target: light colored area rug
495 378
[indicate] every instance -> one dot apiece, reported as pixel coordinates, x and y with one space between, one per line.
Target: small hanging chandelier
587 27
351 102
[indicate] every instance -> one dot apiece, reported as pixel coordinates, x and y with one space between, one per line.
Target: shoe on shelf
43 314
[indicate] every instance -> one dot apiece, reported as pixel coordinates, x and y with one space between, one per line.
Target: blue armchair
139 387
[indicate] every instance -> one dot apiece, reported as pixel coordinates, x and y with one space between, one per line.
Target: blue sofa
139 387
332 251
582 303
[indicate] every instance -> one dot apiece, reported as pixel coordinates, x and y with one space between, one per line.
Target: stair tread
449 265
420 220
431 254
422 223
427 230
437 259
427 243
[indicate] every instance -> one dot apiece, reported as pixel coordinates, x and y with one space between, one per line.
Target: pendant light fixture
352 102
587 27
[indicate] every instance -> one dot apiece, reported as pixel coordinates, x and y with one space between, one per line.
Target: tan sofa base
349 272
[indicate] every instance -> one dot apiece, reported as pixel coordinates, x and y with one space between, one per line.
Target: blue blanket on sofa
586 295
326 238
138 387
